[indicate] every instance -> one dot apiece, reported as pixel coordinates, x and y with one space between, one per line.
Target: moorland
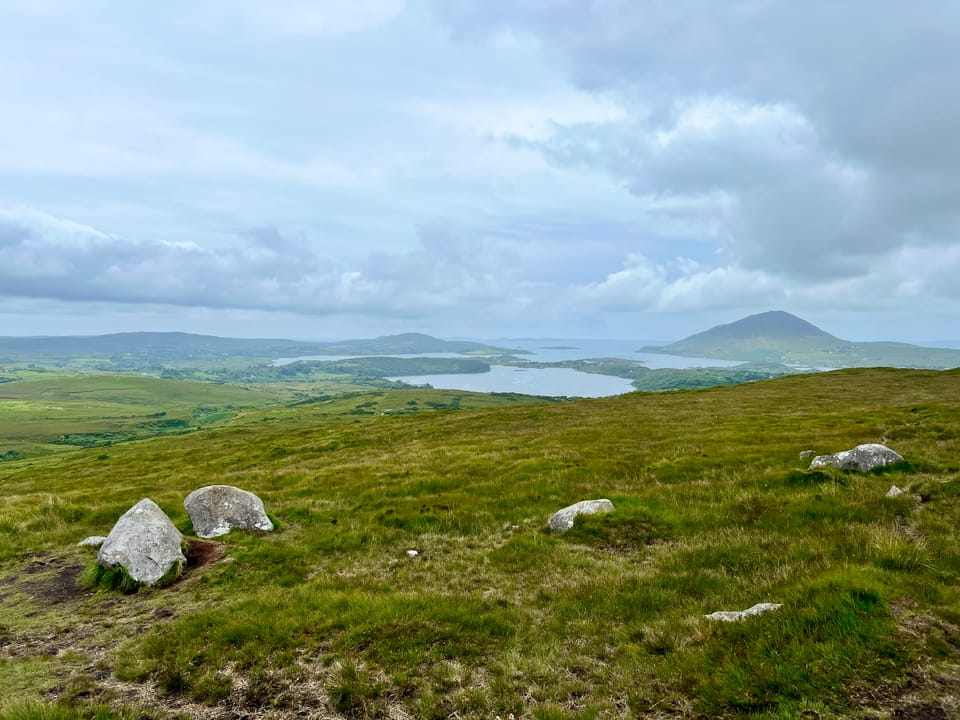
329 616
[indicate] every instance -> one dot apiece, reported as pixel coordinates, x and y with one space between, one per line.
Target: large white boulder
215 510
144 542
863 458
563 519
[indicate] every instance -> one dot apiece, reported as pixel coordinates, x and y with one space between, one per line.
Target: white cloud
681 285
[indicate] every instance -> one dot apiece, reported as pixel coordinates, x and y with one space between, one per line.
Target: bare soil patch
200 553
59 583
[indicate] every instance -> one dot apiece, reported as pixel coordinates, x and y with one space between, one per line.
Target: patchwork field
328 616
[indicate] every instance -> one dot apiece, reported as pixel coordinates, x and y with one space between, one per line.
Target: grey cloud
856 156
262 269
12 234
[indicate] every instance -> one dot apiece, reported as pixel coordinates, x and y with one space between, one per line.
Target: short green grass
495 616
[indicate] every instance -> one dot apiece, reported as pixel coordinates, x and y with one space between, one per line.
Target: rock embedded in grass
144 542
563 519
863 458
93 541
894 491
215 510
738 615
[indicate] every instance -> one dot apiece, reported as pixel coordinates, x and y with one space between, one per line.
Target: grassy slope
46 412
37 410
329 617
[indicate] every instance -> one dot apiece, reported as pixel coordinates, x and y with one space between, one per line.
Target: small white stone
413 553
737 615
92 541
894 491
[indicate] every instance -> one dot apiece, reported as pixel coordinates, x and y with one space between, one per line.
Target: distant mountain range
177 346
780 337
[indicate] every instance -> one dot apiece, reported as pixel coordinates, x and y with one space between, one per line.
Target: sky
637 169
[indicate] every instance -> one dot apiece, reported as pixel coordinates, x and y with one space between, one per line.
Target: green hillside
44 412
329 617
779 337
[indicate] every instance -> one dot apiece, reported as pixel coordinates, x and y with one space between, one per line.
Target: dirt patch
920 711
249 698
43 645
59 583
202 552
925 694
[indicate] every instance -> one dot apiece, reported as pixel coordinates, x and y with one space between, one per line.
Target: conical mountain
768 336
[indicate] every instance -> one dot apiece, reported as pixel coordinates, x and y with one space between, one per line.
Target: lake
546 381
560 381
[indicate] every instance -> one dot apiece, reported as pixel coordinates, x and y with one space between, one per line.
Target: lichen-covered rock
144 542
563 519
738 615
863 458
216 509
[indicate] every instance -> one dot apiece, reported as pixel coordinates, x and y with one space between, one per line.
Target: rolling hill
780 337
138 350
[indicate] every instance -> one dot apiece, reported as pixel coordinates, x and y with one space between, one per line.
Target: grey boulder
563 519
863 458
144 542
215 510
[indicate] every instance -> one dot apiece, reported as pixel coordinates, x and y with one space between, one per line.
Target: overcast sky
489 168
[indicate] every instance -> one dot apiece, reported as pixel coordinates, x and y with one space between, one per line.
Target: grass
496 616
52 412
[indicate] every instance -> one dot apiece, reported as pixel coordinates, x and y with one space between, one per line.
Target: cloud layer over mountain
615 167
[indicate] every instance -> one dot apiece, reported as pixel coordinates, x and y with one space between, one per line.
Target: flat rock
215 510
563 519
144 542
804 454
738 615
92 541
863 458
